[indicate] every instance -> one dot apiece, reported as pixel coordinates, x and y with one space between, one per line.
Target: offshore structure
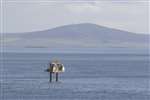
55 67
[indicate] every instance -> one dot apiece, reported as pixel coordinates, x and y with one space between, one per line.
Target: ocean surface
87 76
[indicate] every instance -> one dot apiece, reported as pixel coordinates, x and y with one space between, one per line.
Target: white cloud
84 8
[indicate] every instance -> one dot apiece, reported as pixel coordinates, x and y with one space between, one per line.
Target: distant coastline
35 47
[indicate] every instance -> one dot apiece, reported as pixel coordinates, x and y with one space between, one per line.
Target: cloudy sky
35 15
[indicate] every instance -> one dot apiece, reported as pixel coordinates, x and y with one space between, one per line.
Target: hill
77 36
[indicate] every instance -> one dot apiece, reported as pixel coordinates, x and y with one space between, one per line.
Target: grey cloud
23 17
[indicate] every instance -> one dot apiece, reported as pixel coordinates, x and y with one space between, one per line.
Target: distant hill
77 35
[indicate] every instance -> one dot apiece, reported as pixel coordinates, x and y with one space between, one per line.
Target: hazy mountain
77 35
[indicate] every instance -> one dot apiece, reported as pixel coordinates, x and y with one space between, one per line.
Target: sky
19 16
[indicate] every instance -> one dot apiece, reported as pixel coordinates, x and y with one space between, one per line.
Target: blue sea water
87 76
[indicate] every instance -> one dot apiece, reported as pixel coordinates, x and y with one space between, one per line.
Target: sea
105 75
